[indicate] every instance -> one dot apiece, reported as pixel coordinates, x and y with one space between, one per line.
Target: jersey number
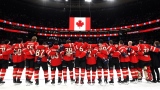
18 52
55 56
68 50
2 50
29 46
39 52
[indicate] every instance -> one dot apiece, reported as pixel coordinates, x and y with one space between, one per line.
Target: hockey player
102 61
80 61
18 60
124 61
145 59
132 52
91 63
30 45
41 61
4 58
114 61
68 60
55 62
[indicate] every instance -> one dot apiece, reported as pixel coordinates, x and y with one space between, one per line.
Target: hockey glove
109 56
129 50
105 61
124 54
146 53
39 60
87 54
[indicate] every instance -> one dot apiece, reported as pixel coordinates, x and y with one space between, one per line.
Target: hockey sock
3 72
88 75
111 74
76 72
19 74
30 73
71 74
124 71
82 73
149 73
65 74
118 73
99 73
93 75
27 73
132 73
46 74
60 74
105 71
15 72
53 74
36 74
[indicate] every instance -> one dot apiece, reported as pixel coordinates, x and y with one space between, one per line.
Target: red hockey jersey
55 56
68 52
113 51
145 48
18 53
81 49
91 57
123 49
31 47
4 51
133 54
102 51
41 51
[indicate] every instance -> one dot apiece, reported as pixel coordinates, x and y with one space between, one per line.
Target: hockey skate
47 81
134 80
111 82
1 81
100 81
93 82
89 82
14 80
82 82
65 82
53 82
119 80
37 82
28 82
59 81
125 81
139 79
105 81
18 81
77 81
72 81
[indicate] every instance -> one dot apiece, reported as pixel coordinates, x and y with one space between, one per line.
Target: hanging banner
80 23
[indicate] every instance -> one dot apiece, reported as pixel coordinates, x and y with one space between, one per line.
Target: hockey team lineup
81 59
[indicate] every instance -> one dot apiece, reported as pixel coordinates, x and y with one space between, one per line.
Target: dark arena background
50 21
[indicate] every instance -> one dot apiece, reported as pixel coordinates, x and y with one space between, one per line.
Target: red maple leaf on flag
79 23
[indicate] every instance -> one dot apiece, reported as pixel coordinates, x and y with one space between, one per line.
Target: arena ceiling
77 3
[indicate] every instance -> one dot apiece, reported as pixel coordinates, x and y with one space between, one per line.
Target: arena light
58 0
88 0
45 0
111 0
66 0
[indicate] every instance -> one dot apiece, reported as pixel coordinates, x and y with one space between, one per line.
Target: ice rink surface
131 86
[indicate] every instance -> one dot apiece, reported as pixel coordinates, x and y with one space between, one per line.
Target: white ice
131 86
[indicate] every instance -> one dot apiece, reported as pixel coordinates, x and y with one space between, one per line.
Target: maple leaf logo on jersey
79 23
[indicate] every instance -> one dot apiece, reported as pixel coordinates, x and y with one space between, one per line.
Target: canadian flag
80 23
